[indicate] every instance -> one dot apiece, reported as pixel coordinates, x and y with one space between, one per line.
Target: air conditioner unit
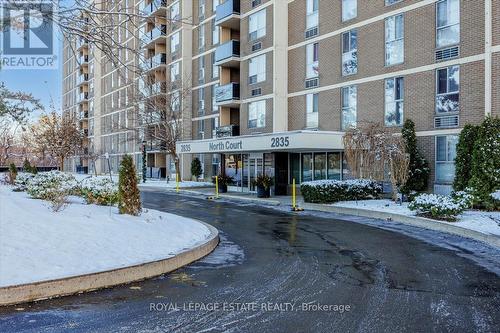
256 46
446 54
311 32
312 83
255 3
256 92
446 121
252 79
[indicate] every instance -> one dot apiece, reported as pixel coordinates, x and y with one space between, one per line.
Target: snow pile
496 195
37 244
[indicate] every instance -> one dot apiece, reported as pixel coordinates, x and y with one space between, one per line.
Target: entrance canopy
268 142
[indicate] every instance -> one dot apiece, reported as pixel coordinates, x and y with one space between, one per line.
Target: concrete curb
417 221
22 293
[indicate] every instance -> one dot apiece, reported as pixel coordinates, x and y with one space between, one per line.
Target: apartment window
215 123
257 114
394 40
349 9
201 129
447 23
175 101
350 52
257 25
391 2
349 107
312 110
311 14
201 9
446 152
175 12
215 3
201 69
174 71
257 69
201 37
201 101
174 42
214 101
312 60
447 89
215 68
394 97
215 33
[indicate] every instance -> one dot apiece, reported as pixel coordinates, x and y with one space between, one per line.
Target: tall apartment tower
275 83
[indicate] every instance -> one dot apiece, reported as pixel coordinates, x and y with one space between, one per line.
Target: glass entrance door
255 168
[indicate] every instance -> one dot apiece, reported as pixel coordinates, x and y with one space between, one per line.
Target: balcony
82 78
228 54
83 59
155 89
155 145
227 131
156 35
81 43
84 115
156 7
228 95
154 62
83 97
227 14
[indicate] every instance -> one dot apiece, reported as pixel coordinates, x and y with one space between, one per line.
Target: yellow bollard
216 187
293 194
177 182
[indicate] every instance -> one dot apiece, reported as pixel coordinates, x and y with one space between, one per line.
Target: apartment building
275 83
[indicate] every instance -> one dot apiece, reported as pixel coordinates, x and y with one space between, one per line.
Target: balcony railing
158 31
154 6
84 58
226 9
155 145
225 131
83 97
227 92
82 78
153 62
81 42
227 50
156 89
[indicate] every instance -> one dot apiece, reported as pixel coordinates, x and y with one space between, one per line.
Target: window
174 71
257 25
311 14
445 158
349 107
215 68
447 89
334 168
201 69
319 166
257 114
175 101
394 40
201 129
257 69
394 96
201 9
215 33
391 2
349 9
201 101
307 167
312 60
174 42
215 124
350 52
447 23
215 3
312 110
201 37
175 11
214 101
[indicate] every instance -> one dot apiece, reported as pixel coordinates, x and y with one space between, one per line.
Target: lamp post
109 165
143 161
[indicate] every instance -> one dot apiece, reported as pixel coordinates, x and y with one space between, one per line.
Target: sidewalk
472 228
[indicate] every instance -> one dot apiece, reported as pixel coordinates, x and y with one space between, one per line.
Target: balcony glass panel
227 92
226 9
227 50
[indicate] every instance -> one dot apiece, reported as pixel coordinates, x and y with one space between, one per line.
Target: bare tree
16 106
6 140
58 136
399 161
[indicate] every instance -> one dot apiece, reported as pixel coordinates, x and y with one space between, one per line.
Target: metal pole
217 187
293 194
177 182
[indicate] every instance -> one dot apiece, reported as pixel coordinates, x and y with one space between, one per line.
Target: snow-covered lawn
38 244
486 222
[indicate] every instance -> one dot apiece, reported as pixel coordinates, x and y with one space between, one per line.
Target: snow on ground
38 244
172 184
482 221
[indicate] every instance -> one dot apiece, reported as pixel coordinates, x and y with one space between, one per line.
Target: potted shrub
223 181
263 184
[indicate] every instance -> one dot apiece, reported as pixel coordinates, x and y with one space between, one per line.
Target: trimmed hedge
328 191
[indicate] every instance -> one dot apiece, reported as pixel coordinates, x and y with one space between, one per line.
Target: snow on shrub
101 191
45 185
22 180
464 198
437 206
327 191
496 195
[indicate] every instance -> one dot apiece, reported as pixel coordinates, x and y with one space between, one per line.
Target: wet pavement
280 272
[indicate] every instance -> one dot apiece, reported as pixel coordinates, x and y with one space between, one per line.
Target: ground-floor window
315 166
445 158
